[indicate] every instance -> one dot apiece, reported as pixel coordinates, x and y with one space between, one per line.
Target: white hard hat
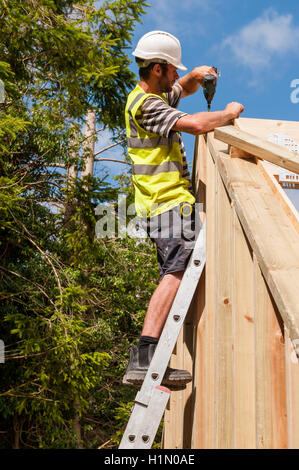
160 45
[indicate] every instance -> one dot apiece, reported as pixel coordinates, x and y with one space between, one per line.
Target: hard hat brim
179 66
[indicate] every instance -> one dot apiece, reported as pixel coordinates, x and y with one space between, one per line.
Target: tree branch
109 147
111 160
54 348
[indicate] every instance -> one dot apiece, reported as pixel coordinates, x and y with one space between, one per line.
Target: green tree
70 303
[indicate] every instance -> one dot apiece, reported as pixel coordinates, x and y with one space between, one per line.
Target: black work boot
139 364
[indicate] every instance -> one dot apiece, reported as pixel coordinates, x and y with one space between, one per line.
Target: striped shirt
159 117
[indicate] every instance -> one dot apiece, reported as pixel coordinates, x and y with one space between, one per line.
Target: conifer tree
70 303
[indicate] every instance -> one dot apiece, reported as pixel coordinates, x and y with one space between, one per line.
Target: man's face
168 78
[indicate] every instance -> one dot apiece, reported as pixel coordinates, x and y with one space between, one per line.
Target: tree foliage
71 303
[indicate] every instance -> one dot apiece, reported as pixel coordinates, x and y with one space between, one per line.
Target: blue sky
255 44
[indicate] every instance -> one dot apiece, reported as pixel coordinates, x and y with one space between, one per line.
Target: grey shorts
173 233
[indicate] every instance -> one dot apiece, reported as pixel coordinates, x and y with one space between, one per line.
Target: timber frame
241 335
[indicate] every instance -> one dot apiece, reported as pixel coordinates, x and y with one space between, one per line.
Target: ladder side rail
175 318
144 421
151 400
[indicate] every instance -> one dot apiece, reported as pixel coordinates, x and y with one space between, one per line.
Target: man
161 178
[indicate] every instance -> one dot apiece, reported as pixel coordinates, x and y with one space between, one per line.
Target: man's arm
191 82
200 123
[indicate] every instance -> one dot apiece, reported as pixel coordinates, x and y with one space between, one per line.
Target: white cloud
266 37
175 15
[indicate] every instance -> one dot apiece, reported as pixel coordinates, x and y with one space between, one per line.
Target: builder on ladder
163 193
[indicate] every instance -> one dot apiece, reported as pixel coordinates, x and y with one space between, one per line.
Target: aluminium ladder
151 400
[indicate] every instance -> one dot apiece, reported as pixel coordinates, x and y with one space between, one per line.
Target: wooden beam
258 147
280 194
235 151
264 127
271 234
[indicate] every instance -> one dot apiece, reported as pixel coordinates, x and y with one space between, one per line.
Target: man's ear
157 69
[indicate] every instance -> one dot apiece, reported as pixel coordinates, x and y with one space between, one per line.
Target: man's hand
200 72
234 109
191 82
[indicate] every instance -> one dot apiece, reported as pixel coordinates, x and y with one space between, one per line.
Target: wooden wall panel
292 370
198 392
245 368
207 440
198 395
223 326
173 418
271 405
244 417
180 416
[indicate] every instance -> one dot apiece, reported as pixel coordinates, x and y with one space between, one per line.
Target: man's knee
174 277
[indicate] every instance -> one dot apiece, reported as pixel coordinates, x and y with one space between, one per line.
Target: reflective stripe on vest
150 142
155 169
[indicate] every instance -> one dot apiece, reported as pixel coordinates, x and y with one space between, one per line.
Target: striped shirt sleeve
174 96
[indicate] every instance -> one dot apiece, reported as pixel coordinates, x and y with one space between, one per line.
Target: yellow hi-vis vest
157 163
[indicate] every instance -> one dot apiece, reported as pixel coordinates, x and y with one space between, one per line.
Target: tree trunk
16 431
72 175
87 172
90 137
77 426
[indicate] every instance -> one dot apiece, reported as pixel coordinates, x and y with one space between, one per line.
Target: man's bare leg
157 312
160 304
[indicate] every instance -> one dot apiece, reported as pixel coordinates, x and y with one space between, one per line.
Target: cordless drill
209 87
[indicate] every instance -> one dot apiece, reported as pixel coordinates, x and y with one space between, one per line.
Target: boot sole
173 388
138 378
